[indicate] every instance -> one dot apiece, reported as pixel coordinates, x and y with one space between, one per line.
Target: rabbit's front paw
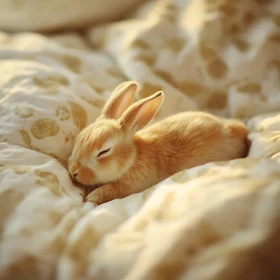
95 197
102 194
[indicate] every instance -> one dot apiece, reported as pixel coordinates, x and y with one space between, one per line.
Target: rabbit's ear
121 98
141 113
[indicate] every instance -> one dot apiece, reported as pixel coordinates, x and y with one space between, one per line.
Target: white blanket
217 221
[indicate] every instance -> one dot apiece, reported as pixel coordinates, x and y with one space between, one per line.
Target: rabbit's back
195 138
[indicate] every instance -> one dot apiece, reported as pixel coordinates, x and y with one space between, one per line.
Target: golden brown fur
140 158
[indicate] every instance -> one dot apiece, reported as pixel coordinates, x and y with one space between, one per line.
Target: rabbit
121 157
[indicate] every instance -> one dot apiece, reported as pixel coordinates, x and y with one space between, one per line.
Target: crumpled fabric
217 221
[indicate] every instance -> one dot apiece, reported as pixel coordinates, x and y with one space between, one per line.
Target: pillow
34 15
48 93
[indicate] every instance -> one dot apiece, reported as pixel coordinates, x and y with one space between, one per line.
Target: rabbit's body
118 154
183 141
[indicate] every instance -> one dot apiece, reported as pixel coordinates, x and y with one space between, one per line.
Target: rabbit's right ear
121 98
141 113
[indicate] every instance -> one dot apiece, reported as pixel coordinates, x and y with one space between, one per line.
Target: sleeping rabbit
117 157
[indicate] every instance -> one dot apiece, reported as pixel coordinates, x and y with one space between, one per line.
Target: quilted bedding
217 221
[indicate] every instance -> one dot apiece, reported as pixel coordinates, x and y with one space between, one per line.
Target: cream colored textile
217 221
37 15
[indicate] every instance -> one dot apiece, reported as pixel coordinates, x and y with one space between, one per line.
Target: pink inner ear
125 102
145 113
120 100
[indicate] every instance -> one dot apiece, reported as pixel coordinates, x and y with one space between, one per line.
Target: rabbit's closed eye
103 152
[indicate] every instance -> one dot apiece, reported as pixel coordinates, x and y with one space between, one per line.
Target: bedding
216 221
51 15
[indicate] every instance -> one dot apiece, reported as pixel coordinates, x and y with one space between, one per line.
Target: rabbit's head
105 150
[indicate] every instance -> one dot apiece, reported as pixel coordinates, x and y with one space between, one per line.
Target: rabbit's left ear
121 98
141 113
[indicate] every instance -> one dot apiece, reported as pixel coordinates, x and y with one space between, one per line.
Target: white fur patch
108 174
